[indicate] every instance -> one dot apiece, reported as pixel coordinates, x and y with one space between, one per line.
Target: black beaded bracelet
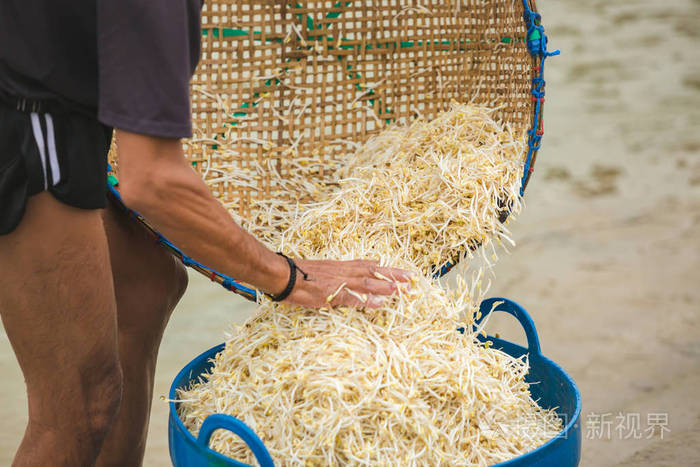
293 268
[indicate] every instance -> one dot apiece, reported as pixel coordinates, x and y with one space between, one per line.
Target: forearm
157 181
178 203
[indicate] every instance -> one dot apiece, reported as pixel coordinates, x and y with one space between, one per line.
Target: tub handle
237 427
510 307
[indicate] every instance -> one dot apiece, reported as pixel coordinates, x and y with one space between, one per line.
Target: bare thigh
58 308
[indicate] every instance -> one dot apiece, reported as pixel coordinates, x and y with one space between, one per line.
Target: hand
364 278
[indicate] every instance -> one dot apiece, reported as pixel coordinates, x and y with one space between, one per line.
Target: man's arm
157 181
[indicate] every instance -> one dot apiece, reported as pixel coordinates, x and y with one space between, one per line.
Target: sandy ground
608 256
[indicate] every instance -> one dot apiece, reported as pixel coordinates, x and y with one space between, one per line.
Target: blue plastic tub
554 389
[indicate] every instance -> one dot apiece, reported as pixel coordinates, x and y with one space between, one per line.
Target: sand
608 255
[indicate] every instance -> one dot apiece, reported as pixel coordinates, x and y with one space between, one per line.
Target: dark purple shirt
128 62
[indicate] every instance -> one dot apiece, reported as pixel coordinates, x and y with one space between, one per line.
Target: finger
370 268
357 269
348 297
375 302
371 286
394 274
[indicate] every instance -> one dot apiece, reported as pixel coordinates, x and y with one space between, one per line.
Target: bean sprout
396 385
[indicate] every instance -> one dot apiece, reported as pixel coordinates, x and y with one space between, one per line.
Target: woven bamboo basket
280 81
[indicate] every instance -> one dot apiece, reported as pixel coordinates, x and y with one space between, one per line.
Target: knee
179 281
71 415
173 284
165 292
102 389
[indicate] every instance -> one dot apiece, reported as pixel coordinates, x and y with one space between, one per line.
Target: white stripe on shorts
53 159
39 138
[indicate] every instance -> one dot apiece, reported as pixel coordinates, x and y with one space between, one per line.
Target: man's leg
148 283
58 308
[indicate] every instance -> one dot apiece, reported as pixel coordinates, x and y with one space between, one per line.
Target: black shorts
49 146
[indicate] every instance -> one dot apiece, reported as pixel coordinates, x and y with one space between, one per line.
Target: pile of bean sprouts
431 192
397 385
427 193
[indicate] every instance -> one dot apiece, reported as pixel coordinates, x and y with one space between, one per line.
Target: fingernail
375 302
